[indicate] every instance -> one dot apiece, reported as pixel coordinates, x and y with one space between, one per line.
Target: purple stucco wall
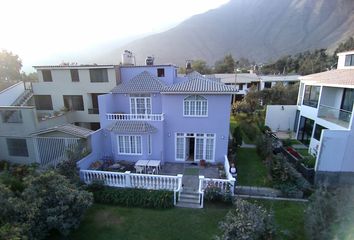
128 73
217 123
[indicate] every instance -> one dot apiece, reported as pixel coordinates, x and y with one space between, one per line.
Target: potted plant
202 163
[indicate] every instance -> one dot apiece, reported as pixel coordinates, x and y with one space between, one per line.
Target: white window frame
192 100
149 140
147 110
196 136
129 147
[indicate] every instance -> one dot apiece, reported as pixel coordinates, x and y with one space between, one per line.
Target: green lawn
251 171
289 218
104 222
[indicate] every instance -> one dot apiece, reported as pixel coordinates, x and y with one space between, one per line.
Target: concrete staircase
189 197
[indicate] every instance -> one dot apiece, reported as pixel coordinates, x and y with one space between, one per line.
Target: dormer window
349 60
195 106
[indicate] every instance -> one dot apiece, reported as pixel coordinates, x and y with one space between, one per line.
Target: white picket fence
53 150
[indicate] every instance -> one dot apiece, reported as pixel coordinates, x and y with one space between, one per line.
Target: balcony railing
310 103
135 117
93 111
335 115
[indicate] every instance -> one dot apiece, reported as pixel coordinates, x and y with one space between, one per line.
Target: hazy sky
38 29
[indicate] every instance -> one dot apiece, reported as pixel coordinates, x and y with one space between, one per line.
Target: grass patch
104 222
251 170
289 218
191 171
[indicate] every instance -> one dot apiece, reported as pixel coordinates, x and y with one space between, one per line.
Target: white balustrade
134 117
132 180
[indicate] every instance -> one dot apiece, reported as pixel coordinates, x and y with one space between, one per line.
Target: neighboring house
31 136
323 120
74 88
154 114
244 81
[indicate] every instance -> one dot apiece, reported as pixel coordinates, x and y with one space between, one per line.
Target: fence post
127 179
232 182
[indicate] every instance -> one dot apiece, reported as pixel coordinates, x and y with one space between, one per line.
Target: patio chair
151 171
139 169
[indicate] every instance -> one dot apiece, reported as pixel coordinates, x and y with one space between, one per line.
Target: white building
28 135
244 81
324 120
74 89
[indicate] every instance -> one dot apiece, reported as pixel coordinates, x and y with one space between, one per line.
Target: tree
226 65
56 203
30 77
10 66
201 67
246 221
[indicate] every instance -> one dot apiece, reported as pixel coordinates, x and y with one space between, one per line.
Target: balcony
335 115
135 117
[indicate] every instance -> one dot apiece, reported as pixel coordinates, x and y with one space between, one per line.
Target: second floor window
349 60
140 105
74 75
98 75
74 102
47 76
311 96
195 106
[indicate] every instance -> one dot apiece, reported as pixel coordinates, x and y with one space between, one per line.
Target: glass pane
199 148
209 149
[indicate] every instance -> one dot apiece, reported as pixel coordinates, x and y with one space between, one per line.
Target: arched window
195 106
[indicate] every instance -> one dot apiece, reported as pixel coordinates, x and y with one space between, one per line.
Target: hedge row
132 197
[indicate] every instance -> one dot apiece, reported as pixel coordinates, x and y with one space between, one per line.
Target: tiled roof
199 84
144 82
132 127
68 129
337 77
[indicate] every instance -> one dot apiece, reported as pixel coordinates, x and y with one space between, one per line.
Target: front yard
104 222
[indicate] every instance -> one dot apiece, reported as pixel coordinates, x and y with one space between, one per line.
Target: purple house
153 113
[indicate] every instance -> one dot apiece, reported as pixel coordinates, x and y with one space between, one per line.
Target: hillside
260 30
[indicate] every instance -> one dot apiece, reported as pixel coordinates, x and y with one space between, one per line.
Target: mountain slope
260 30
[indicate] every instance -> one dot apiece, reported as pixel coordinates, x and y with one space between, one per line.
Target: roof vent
128 58
149 61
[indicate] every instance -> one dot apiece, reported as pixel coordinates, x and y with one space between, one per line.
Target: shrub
237 136
246 221
214 194
4 165
132 197
53 204
264 146
286 178
250 130
12 182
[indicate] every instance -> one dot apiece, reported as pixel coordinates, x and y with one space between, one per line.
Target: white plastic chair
139 169
151 171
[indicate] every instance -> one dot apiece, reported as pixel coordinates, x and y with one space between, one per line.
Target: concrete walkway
245 145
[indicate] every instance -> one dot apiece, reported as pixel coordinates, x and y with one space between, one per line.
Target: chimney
189 66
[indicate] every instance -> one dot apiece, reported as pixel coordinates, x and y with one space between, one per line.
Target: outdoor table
155 164
142 163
